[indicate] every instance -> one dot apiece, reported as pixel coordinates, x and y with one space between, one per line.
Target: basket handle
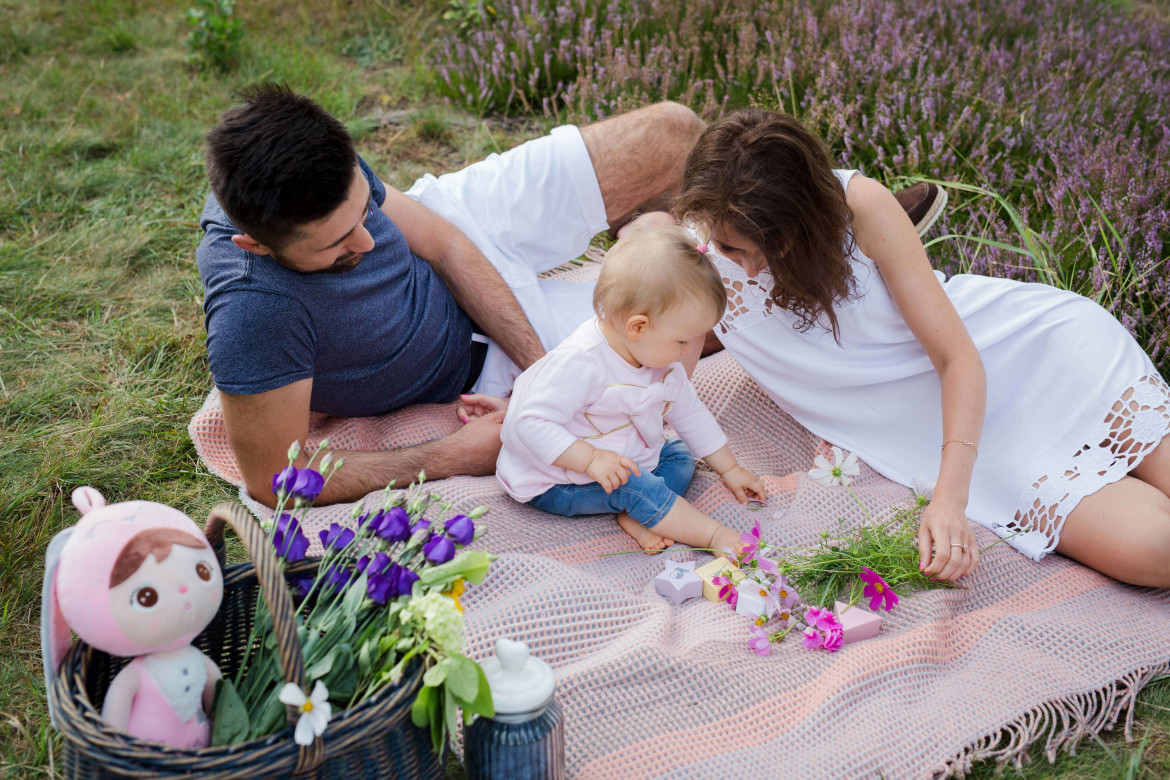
280 606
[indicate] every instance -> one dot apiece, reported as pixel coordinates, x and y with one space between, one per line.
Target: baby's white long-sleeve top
583 389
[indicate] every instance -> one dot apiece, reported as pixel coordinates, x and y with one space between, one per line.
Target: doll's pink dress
171 712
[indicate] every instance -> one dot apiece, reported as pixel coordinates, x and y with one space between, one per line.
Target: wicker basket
373 739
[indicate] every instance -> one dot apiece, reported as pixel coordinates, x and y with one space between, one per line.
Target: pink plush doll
137 579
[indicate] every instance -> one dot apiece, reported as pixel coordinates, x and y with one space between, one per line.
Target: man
326 290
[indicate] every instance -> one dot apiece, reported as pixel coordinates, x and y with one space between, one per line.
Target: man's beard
344 264
340 266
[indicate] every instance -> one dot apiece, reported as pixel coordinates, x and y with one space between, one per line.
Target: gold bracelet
970 444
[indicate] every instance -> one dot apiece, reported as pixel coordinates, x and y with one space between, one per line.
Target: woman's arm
884 233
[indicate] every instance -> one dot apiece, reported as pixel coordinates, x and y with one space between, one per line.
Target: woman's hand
946 530
475 405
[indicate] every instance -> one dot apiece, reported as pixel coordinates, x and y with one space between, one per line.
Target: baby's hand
610 470
746 485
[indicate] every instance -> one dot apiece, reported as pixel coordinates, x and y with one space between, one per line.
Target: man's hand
610 470
477 405
476 444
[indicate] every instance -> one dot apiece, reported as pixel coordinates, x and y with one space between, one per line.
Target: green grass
102 359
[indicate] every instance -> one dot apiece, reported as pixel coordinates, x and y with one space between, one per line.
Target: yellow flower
457 588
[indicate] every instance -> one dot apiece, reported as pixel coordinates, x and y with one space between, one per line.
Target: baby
584 430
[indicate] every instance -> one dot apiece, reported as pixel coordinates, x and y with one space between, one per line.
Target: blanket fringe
1062 723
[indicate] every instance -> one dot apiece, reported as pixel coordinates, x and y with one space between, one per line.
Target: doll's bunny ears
87 499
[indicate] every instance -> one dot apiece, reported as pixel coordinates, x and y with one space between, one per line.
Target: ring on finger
963 546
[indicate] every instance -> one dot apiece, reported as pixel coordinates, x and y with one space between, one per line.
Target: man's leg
639 157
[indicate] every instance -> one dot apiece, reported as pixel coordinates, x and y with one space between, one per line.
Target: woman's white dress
1073 403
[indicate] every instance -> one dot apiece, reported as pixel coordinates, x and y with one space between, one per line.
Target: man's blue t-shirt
381 336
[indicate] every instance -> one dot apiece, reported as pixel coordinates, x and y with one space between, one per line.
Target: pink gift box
856 623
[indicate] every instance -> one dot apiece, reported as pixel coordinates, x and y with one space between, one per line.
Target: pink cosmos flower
833 640
820 619
751 543
768 566
877 591
760 641
726 589
813 639
785 594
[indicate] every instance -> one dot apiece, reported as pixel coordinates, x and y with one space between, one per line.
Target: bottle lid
519 682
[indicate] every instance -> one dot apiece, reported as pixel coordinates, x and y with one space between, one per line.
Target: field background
1052 116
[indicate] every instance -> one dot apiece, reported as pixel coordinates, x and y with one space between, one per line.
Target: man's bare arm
473 280
261 427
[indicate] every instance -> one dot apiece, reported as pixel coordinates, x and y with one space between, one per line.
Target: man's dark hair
277 162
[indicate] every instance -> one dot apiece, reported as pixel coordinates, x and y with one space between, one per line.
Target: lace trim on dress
749 299
1133 427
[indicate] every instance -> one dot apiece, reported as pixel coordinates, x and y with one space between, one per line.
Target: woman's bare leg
1155 468
1122 530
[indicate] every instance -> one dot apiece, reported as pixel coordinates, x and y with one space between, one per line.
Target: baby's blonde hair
652 270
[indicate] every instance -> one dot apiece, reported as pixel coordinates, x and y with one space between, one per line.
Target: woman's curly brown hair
766 176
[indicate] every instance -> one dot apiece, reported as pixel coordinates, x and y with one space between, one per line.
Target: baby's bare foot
726 538
643 536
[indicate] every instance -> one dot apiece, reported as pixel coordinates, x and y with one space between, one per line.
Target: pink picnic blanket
1028 652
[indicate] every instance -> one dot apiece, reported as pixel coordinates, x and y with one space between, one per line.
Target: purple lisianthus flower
406 579
290 543
380 563
336 538
461 529
381 587
305 484
301 586
338 576
394 525
421 525
439 549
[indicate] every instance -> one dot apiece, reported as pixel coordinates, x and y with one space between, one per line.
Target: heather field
1054 114
1050 119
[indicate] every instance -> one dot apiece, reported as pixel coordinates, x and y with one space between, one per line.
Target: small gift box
752 600
678 582
856 623
718 567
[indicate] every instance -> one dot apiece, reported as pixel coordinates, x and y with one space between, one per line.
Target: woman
1041 416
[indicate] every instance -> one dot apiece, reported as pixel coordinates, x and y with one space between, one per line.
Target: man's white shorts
529 209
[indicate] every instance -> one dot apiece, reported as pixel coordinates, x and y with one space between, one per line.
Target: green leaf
435 675
230 724
462 679
482 705
471 565
355 595
322 667
365 658
424 703
449 710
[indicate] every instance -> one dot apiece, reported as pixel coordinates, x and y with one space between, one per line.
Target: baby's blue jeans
647 498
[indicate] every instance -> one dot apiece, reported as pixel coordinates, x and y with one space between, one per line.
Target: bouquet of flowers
800 585
385 595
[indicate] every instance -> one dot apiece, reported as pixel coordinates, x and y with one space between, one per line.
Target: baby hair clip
701 248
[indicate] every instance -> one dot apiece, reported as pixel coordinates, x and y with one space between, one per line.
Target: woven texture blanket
1027 652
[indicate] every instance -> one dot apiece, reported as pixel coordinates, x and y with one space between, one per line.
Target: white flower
923 487
836 473
315 711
